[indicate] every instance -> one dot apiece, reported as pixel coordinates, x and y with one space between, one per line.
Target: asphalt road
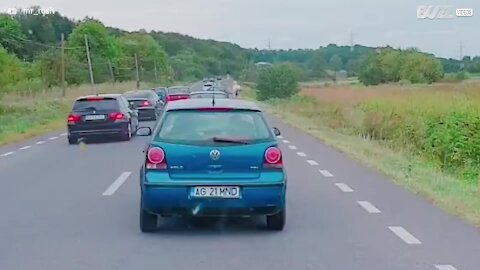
71 207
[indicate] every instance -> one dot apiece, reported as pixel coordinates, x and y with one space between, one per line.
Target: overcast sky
286 24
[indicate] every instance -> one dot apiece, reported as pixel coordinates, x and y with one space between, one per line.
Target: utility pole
63 66
111 71
138 75
352 45
462 64
94 90
155 69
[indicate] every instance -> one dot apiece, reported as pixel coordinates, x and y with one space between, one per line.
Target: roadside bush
279 81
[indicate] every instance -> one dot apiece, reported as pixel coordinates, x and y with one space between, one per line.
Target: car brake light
116 116
273 158
156 159
95 98
146 104
73 118
214 109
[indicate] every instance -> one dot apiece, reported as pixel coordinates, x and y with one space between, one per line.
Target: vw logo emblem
215 154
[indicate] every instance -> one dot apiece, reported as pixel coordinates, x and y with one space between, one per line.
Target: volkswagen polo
212 158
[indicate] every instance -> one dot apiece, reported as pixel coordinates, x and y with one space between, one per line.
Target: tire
127 136
277 222
148 222
72 140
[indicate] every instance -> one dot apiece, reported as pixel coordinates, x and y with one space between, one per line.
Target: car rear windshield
208 95
107 104
178 91
206 127
138 95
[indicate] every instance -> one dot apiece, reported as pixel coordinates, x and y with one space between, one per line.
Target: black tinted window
101 104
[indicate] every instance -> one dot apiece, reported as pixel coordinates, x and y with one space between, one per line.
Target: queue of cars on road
208 155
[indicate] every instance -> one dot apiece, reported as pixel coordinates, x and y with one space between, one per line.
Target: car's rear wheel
72 140
148 222
277 222
128 134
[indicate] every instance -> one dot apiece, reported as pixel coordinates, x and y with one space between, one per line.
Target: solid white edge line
312 162
302 154
293 147
116 184
286 141
25 147
6 154
53 138
369 207
404 235
344 187
325 173
445 267
40 142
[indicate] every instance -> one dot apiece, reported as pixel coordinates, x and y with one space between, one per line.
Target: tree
370 71
391 62
318 64
336 63
11 35
278 81
10 69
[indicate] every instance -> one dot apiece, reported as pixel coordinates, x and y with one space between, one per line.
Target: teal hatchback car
212 158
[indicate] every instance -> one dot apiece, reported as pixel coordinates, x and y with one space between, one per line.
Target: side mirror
276 131
144 131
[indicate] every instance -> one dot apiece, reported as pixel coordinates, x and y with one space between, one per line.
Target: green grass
328 122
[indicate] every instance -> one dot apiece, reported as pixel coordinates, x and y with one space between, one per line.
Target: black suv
147 102
101 115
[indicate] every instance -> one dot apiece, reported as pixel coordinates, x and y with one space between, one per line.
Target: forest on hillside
32 55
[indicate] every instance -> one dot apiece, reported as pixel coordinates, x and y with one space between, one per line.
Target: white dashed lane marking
116 184
344 187
40 142
6 154
25 147
280 137
404 235
312 162
63 134
286 141
369 207
293 147
53 138
302 154
445 267
325 173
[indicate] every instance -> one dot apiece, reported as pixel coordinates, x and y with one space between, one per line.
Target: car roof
100 95
187 104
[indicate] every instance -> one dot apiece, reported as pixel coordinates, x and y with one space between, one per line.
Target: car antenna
213 99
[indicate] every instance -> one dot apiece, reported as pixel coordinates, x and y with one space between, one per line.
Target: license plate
216 192
95 117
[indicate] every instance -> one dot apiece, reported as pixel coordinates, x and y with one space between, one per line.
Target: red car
177 93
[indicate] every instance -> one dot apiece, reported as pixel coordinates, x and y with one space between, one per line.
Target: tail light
116 116
273 158
146 104
73 118
169 98
156 159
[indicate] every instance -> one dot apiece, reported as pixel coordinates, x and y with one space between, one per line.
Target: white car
207 86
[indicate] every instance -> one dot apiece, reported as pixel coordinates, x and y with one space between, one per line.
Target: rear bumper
255 200
98 129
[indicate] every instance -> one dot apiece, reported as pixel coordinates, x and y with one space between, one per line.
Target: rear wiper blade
230 140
